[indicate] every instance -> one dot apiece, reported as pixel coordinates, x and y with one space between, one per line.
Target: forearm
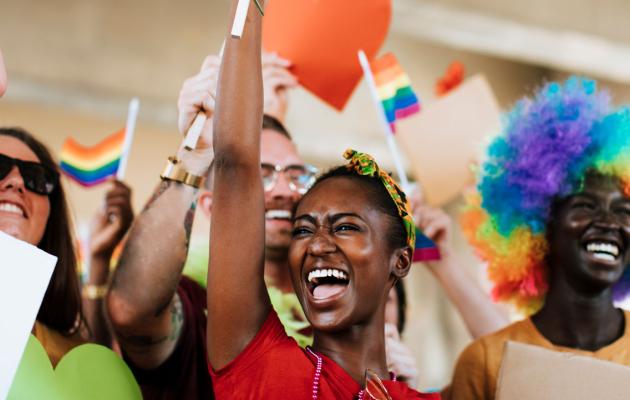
480 314
150 265
93 305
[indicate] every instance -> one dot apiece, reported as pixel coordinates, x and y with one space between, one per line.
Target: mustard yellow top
478 366
56 344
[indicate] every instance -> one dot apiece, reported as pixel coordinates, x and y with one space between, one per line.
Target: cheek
41 212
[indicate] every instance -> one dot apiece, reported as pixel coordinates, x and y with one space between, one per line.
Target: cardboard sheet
25 272
322 37
531 372
446 137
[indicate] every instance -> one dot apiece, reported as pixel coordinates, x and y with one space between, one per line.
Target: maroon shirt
184 375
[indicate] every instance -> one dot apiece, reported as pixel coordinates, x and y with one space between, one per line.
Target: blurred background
73 66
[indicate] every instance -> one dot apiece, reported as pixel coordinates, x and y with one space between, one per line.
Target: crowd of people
300 292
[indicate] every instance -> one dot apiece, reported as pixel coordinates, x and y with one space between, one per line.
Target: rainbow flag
394 89
425 249
90 166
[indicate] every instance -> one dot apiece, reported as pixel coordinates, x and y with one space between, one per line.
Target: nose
321 244
606 220
13 181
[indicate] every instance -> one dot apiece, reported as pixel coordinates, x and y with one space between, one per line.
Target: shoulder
478 365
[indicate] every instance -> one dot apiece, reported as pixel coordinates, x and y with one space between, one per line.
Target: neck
277 271
583 321
356 349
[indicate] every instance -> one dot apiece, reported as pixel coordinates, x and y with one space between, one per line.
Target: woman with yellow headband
353 238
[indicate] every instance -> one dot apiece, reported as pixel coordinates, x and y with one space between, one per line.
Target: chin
329 322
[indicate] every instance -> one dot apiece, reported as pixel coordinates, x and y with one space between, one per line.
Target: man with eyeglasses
158 315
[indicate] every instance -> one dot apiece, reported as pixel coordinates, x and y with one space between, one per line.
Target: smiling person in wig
552 219
353 239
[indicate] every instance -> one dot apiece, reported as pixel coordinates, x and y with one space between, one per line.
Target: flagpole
132 117
387 130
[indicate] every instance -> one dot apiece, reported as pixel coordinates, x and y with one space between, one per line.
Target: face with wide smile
341 264
589 236
280 201
23 213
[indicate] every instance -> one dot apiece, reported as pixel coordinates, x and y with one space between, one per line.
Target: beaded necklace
318 374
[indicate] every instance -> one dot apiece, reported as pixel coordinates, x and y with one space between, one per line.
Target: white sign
25 271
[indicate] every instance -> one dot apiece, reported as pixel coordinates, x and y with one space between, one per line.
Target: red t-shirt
273 366
184 375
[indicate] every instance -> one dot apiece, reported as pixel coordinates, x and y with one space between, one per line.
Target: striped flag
90 166
394 89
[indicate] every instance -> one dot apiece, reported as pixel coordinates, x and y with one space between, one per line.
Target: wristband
174 172
94 292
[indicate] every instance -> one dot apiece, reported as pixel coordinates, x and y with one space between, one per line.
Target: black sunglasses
37 178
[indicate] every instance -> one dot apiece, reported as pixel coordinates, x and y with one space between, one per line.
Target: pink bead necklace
318 375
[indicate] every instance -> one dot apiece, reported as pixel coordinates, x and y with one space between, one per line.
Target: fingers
273 59
211 62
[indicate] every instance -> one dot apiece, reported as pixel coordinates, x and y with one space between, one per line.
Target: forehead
15 148
601 183
277 149
337 195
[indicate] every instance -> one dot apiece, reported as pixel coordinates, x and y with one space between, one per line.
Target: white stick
387 130
132 116
239 19
194 132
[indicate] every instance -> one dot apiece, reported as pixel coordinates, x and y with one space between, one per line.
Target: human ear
401 262
205 203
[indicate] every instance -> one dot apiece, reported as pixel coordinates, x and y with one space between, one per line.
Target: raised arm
479 313
237 299
108 227
144 309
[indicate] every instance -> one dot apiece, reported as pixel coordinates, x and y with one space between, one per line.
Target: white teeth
604 256
11 208
324 273
278 214
608 249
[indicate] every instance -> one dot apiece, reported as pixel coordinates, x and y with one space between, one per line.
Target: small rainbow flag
394 89
90 166
425 249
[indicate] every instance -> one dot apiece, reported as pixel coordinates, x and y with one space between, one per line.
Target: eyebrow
332 219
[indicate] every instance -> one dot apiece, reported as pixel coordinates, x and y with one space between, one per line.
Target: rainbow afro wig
547 145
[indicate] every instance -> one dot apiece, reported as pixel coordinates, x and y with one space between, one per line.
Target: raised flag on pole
91 165
394 90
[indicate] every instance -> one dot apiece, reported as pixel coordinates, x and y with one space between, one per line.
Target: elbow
123 315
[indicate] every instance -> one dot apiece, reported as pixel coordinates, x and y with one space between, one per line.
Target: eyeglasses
37 178
300 176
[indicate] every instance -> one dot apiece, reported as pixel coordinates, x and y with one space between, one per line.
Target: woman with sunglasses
353 239
33 208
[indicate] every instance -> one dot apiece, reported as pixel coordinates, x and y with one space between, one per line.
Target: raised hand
111 222
276 81
434 222
197 95
399 357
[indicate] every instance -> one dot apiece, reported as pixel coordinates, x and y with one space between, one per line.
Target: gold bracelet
174 172
94 292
